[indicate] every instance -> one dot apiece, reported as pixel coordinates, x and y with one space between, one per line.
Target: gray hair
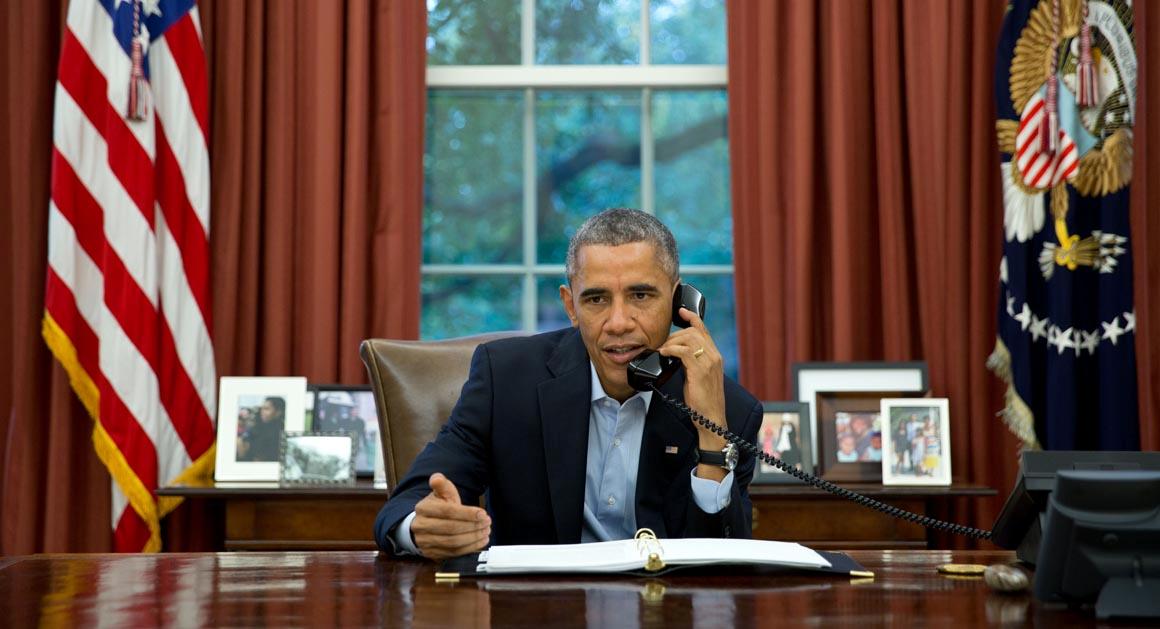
621 226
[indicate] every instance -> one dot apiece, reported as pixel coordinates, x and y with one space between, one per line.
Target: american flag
127 299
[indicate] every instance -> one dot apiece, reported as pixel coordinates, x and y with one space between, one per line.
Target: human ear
569 306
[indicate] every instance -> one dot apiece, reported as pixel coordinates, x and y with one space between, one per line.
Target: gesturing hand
443 527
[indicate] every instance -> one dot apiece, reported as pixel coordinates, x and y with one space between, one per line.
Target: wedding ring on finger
697 354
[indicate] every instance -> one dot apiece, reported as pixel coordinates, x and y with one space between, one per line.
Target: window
542 113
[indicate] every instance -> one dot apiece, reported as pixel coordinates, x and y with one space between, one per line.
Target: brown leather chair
416 384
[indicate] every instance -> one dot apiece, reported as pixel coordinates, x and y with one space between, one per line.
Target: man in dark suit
564 448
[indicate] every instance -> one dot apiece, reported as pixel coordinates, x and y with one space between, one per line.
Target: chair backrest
416 384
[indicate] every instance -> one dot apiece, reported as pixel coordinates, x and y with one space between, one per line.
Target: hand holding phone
704 374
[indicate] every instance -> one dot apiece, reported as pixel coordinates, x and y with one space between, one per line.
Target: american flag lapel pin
671 449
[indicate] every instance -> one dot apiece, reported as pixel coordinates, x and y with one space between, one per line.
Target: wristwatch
726 458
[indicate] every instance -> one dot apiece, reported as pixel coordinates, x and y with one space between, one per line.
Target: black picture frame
328 416
775 415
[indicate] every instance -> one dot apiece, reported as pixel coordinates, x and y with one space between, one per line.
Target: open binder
645 555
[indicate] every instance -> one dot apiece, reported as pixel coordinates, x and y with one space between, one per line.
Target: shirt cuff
402 537
710 495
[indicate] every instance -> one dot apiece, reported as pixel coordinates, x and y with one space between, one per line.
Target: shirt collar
599 394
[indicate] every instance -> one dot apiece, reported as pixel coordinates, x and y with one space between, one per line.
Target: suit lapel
564 410
660 467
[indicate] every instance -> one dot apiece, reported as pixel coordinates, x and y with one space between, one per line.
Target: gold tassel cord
1016 414
1005 133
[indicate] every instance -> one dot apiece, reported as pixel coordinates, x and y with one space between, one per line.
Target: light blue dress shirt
615 431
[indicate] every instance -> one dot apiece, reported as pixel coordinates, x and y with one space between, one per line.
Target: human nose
620 318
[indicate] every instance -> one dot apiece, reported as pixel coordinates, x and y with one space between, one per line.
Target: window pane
473 186
692 173
720 314
687 31
469 32
588 32
587 159
469 304
550 314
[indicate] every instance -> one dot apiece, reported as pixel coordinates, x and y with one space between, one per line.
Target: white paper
627 554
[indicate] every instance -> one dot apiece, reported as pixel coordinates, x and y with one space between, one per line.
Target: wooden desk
823 521
341 518
360 589
293 518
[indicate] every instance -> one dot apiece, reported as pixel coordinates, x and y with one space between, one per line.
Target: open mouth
622 354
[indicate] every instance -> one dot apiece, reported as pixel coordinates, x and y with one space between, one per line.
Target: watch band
711 457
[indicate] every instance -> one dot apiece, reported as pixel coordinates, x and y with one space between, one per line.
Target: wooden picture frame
850 439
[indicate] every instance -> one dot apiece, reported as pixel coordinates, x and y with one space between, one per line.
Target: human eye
641 295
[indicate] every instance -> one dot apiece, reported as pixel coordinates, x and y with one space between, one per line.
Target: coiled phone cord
824 485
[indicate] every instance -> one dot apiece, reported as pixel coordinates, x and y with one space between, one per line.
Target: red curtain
1145 222
316 155
867 204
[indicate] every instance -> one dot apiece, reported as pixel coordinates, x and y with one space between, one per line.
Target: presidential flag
1065 88
127 299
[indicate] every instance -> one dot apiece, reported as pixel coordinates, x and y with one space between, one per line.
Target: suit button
728 531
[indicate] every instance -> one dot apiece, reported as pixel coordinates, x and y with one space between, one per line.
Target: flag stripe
128 436
78 206
185 46
175 114
89 26
125 228
131 531
179 215
125 156
90 316
191 341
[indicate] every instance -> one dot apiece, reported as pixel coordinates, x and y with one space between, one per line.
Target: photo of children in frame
859 437
918 442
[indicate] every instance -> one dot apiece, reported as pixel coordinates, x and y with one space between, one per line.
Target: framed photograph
785 435
916 441
810 378
851 435
252 415
349 408
311 458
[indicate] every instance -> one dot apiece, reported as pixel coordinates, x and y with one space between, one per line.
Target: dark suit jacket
519 432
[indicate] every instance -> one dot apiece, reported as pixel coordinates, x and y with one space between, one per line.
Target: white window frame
531 77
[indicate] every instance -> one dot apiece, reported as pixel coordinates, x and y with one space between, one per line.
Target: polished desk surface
362 589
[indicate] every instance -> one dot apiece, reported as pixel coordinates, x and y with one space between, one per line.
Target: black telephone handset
650 370
650 367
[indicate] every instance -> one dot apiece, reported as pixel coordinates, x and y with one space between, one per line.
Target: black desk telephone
649 370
